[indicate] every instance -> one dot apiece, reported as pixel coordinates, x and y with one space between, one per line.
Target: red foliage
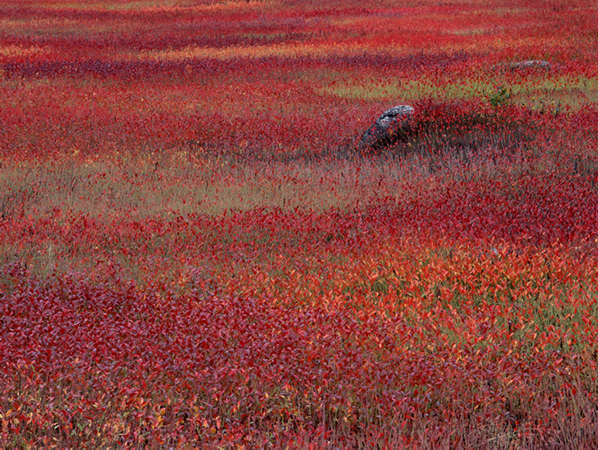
455 304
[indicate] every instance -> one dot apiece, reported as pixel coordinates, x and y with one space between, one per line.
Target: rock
532 64
389 128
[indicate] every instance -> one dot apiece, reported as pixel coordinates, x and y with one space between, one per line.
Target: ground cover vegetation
193 252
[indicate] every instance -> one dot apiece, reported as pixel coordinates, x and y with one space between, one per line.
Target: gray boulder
532 64
390 127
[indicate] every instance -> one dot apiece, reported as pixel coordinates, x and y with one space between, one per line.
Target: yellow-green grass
533 91
182 181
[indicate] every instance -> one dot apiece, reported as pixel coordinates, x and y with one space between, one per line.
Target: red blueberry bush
194 251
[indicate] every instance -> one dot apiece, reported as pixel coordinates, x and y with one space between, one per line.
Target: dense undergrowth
194 253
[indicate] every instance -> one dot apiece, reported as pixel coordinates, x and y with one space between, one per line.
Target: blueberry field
197 251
